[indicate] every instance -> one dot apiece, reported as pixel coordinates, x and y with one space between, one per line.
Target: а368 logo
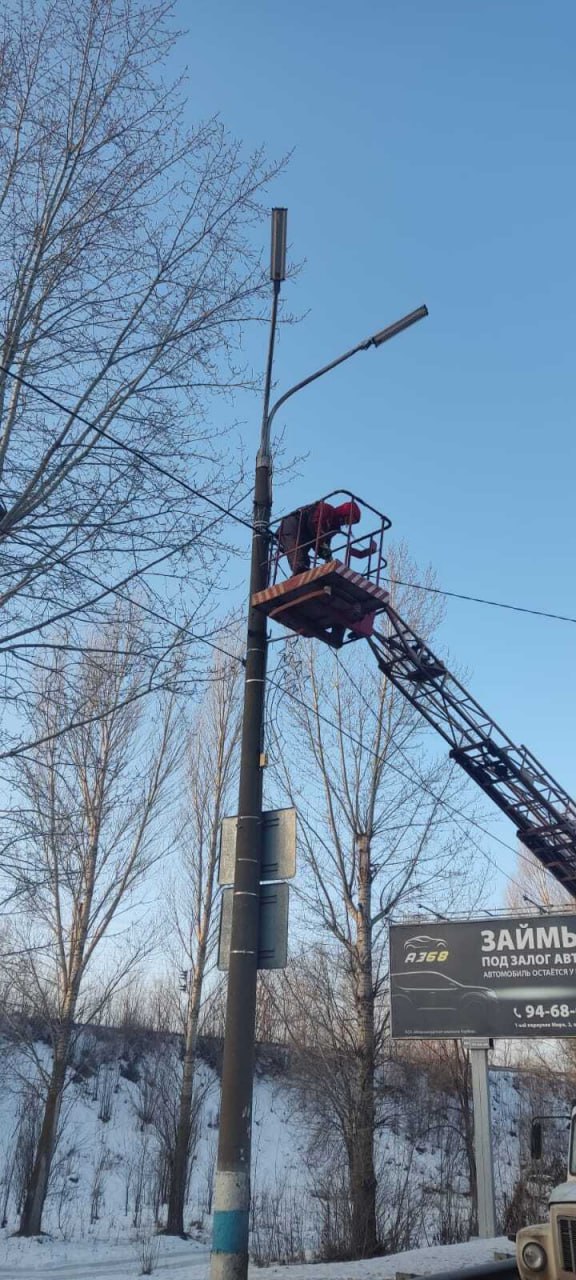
426 957
422 949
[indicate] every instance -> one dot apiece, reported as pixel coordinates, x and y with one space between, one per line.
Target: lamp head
278 248
398 327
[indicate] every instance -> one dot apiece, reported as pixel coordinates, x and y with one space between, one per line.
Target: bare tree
534 887
448 1065
93 818
127 271
211 774
377 835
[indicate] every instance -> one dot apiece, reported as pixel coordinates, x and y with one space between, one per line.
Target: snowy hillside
98 1260
108 1188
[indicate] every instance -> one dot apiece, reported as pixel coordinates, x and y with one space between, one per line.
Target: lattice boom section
544 814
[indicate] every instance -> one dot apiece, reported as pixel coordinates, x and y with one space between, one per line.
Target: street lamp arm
362 346
375 340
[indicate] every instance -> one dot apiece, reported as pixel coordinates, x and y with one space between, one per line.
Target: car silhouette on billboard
428 992
423 942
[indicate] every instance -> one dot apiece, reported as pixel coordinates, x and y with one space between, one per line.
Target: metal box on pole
273 930
278 846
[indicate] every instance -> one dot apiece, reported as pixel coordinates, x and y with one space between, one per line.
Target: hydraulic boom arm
324 600
544 814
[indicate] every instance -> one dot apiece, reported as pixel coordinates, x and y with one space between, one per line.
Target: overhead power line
106 589
229 511
455 813
183 629
128 448
142 457
494 604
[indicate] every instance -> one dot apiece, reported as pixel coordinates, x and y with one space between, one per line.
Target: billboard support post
483 1152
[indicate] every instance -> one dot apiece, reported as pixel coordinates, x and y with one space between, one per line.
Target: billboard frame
509 977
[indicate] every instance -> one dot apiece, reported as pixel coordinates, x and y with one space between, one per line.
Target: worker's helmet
349 513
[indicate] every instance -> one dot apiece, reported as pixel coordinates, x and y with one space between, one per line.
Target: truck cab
547 1251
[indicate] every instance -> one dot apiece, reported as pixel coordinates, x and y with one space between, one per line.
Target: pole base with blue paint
230 1225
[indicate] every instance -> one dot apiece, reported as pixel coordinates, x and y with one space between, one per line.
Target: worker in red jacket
310 529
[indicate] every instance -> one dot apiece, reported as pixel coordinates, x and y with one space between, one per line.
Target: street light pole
232 1187
229 1260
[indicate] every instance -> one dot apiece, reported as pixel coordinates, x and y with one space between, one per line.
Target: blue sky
433 145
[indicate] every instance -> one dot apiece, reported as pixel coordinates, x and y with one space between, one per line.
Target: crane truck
547 1251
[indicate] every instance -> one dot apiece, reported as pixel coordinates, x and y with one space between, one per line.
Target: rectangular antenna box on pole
278 864
273 931
278 846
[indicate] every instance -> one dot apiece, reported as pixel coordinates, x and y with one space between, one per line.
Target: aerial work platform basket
329 599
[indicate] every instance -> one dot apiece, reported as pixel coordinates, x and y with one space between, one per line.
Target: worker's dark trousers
294 543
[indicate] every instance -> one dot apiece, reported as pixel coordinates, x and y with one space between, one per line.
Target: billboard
513 976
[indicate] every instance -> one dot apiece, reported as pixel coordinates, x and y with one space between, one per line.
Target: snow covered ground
108 1187
96 1260
31 1259
418 1262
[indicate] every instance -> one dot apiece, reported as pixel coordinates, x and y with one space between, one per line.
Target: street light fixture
398 327
278 248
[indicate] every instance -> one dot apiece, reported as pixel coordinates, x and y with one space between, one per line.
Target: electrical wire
455 812
142 457
106 589
314 711
128 448
234 657
495 604
227 511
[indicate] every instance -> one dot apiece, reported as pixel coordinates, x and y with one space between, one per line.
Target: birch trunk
179 1172
31 1218
91 820
364 1239
212 764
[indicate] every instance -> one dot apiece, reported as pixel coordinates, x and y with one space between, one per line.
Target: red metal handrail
371 568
